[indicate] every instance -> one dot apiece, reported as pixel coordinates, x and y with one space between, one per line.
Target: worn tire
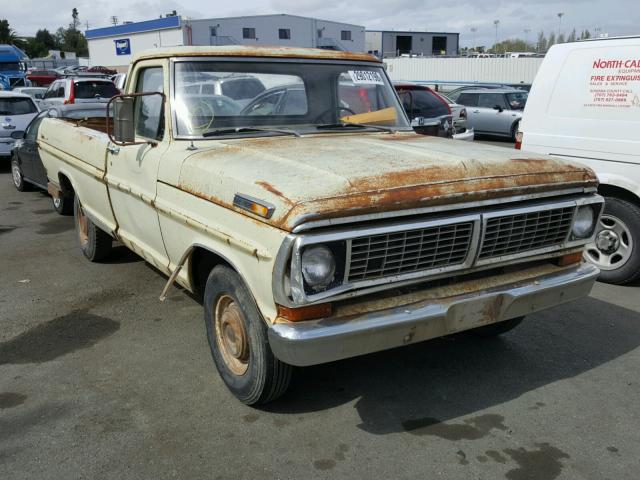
64 205
498 328
17 177
94 243
629 214
265 378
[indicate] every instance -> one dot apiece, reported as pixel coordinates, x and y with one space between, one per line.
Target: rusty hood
328 176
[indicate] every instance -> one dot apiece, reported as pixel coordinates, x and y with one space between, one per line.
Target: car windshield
517 100
17 106
95 89
302 96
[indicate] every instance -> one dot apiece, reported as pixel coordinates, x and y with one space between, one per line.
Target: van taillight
518 144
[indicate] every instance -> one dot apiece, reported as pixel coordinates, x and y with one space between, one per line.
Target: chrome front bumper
325 340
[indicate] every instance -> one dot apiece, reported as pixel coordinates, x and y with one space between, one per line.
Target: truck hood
337 175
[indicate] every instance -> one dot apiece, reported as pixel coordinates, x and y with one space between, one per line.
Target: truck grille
512 234
409 251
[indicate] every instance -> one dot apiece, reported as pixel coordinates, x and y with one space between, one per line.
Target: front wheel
615 247
18 178
238 340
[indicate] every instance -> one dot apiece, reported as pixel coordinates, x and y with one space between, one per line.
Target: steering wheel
329 110
199 110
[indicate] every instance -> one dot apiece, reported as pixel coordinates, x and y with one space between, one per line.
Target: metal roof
135 27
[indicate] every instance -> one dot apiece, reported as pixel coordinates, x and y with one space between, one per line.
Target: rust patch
409 137
270 188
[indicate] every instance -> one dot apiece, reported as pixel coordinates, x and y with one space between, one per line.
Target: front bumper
326 340
467 136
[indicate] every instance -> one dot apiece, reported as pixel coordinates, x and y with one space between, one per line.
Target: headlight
318 266
584 222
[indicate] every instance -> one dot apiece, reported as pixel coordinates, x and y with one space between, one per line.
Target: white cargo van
584 105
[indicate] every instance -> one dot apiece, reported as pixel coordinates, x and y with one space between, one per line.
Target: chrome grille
512 234
408 251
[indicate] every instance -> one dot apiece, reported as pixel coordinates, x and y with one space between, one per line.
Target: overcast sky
616 17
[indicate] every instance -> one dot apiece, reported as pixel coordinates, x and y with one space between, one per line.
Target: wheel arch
610 190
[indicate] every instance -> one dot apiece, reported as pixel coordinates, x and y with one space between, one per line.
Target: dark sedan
429 113
26 166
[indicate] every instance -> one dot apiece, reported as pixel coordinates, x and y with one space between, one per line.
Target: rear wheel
615 250
514 130
238 340
63 204
498 328
94 243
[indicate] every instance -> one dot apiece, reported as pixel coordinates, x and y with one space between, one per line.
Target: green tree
585 35
561 38
552 41
7 34
511 45
542 42
572 36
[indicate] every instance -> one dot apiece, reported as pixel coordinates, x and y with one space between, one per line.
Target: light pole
560 15
526 36
496 23
474 30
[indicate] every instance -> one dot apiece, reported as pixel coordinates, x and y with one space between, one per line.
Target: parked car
79 90
238 87
585 106
330 233
26 166
37 93
102 70
454 94
494 111
428 112
16 112
42 78
459 115
282 100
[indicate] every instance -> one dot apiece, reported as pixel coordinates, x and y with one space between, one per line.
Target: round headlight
584 222
318 266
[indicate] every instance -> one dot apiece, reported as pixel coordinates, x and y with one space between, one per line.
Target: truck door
132 172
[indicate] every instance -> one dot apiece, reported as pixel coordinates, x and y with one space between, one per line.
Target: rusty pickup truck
286 188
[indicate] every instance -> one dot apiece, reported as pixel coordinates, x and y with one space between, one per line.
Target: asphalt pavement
99 380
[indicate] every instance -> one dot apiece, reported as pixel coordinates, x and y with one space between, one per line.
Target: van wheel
514 130
498 328
615 249
94 243
238 340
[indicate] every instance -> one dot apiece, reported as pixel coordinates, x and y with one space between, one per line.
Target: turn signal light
518 144
569 259
308 312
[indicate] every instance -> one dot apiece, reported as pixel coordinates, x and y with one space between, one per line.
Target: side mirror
18 135
125 113
498 108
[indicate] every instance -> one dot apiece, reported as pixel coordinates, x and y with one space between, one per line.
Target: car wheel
18 178
514 130
63 204
498 328
94 243
238 340
615 250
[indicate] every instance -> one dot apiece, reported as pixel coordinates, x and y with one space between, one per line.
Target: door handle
113 150
475 111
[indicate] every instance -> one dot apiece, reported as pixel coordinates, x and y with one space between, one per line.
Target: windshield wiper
227 131
337 126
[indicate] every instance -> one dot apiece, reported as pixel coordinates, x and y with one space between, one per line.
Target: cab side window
149 109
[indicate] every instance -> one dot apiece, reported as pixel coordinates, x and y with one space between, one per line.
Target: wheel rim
17 176
231 336
57 202
612 245
83 225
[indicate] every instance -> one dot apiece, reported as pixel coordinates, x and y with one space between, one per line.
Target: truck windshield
17 106
10 67
303 96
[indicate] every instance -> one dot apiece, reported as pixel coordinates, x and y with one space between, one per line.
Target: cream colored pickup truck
288 190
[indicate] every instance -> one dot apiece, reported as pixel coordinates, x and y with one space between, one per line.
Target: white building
114 46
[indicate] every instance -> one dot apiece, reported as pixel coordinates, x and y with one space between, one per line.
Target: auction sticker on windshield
366 77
